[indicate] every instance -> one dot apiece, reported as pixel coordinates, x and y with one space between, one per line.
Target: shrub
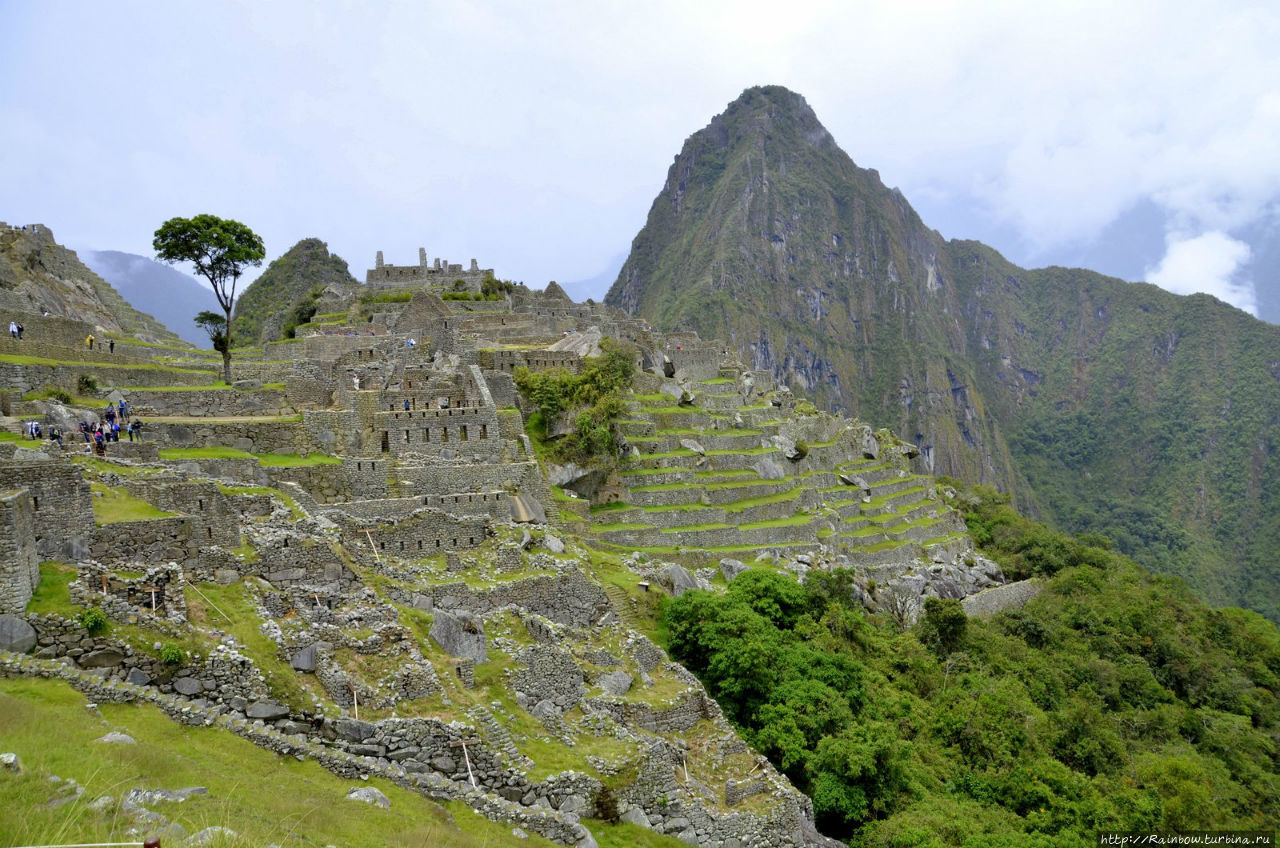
86 384
51 393
93 620
171 654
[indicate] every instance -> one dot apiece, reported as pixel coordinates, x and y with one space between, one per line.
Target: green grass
215 452
264 798
237 602
286 460
52 595
791 521
21 359
6 436
112 505
718 525
739 506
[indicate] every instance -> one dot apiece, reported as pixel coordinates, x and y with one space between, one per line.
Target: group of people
111 343
98 435
15 330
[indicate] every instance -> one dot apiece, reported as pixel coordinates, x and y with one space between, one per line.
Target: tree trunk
226 349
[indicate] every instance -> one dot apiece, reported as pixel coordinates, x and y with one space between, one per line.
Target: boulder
354 730
527 510
553 544
267 710
869 446
10 762
305 659
615 682
102 658
731 568
115 738
678 579
460 634
215 835
769 468
636 815
187 686
16 635
693 445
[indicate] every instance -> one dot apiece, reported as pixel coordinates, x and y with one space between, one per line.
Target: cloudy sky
1138 138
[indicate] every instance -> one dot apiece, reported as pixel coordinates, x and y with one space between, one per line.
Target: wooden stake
355 701
373 546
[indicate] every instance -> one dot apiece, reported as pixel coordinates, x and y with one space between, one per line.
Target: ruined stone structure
380 508
438 275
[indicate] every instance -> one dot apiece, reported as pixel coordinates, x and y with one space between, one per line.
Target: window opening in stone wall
35 504
444 435
286 541
419 544
382 545
386 441
484 431
210 529
463 432
426 434
201 502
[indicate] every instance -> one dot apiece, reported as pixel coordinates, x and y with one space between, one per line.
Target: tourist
111 345
55 433
89 341
99 443
130 431
124 410
406 404
115 431
19 332
13 329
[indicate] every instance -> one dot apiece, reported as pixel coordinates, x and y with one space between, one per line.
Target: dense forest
1114 700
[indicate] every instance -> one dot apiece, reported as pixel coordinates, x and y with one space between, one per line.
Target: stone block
16 635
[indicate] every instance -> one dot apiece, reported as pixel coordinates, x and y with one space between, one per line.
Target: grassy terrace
266 460
21 359
263 797
218 386
289 502
112 505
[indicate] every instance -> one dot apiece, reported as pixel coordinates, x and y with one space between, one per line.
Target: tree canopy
220 249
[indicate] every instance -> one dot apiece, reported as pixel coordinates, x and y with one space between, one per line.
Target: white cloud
1208 263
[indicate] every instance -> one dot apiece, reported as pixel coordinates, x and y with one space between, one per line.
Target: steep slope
170 295
286 293
37 274
1102 405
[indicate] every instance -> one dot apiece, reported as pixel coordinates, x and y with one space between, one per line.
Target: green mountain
288 292
1103 406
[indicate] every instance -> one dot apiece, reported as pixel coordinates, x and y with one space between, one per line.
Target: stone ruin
426 545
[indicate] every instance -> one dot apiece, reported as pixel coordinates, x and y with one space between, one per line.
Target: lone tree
220 249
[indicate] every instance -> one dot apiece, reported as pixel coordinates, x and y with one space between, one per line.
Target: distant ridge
167 293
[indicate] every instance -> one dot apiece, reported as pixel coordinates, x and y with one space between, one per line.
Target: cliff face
1103 405
38 274
290 286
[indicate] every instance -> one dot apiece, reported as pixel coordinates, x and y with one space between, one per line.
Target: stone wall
29 378
423 533
19 563
284 436
569 598
61 506
209 402
154 540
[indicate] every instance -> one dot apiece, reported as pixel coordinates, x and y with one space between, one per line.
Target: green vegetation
93 620
285 296
211 452
387 297
86 384
52 596
593 397
285 460
112 505
220 250
50 393
1114 700
264 798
